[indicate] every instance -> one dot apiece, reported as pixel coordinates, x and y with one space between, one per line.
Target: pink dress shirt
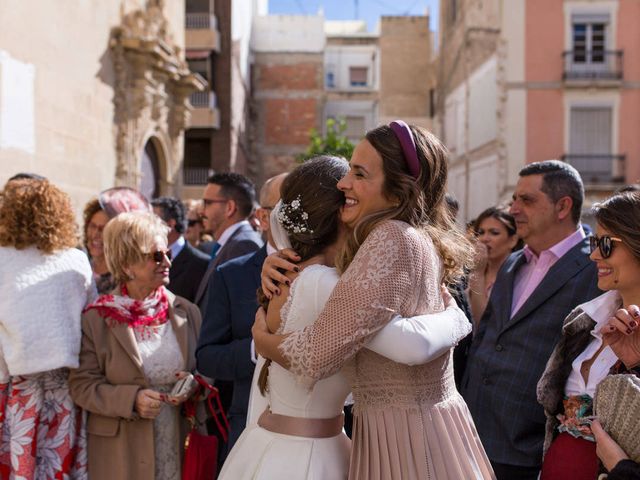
529 276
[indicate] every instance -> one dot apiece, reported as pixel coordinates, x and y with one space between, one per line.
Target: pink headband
405 137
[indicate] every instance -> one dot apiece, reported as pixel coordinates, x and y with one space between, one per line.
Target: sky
369 10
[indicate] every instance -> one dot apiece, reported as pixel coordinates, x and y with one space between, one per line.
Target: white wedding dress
265 455
261 454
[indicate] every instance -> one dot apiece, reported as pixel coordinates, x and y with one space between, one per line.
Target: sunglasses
604 243
158 256
192 223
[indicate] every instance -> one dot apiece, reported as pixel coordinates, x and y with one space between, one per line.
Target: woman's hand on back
271 275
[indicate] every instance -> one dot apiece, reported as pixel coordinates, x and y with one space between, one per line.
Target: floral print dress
43 435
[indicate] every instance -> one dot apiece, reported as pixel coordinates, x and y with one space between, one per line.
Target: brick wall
301 76
289 120
287 103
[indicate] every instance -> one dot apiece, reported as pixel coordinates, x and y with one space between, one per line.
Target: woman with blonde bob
136 343
45 283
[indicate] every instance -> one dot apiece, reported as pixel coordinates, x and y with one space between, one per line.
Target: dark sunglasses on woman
604 243
158 256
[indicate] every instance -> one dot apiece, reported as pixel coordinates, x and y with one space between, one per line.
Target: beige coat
120 444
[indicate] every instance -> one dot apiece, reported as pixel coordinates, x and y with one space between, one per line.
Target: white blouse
599 309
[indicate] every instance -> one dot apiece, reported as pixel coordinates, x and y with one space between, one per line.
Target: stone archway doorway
150 171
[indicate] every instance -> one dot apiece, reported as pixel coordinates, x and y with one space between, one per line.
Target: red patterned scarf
124 310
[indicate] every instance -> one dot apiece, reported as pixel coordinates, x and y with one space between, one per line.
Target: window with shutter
590 143
358 76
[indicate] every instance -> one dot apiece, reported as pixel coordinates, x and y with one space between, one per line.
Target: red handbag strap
215 394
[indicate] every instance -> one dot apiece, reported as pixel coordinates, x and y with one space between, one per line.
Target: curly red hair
36 213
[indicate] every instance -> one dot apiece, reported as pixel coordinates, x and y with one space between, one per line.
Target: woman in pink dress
409 421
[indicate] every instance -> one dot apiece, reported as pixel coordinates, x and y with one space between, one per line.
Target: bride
299 433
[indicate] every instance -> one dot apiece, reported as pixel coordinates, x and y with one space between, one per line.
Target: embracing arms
363 304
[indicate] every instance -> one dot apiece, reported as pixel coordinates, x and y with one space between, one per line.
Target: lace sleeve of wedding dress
377 285
423 338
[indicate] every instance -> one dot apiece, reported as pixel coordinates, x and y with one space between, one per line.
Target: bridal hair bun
293 218
617 406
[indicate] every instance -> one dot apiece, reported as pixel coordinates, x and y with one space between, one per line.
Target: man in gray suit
535 290
228 201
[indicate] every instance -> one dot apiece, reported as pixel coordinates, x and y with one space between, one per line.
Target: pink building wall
544 43
545 116
545 125
628 39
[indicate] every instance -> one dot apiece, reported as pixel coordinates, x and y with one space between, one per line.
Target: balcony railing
593 65
596 168
196 175
204 20
206 99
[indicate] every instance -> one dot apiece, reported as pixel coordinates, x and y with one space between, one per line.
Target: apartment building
218 35
375 78
521 81
288 96
307 70
351 76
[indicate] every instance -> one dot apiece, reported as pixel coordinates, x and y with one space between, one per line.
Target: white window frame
603 8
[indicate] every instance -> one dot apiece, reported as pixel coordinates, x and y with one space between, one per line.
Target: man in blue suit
228 202
535 290
225 348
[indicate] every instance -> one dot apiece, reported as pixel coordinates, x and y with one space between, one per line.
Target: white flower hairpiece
293 218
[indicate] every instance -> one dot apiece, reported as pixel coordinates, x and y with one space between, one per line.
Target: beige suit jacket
120 444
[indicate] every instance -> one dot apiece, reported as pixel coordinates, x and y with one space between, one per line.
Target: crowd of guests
347 266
